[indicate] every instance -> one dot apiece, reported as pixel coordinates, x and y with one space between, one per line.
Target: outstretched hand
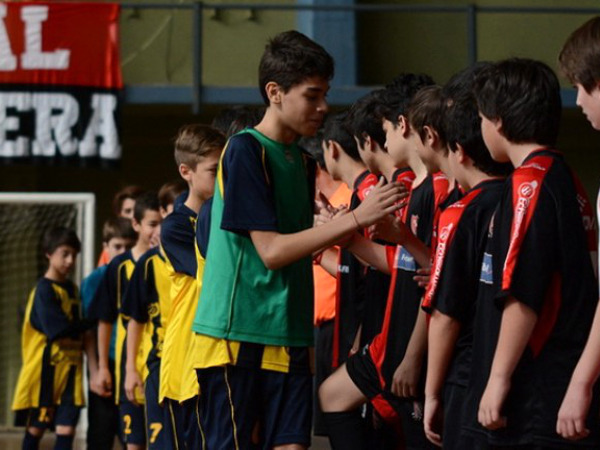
384 199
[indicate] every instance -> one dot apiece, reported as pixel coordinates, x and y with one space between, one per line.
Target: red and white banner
60 80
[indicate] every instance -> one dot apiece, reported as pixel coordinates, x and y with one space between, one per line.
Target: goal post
24 218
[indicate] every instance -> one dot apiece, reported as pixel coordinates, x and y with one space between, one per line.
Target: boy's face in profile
367 156
395 142
127 208
62 260
303 107
490 131
202 179
589 102
115 246
330 162
148 229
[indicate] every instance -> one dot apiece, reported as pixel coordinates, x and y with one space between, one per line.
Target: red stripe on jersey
548 316
587 215
526 185
441 185
448 222
389 414
405 178
390 255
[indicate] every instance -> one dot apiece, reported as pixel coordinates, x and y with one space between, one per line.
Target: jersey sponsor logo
526 191
367 191
486 275
342 268
440 251
405 261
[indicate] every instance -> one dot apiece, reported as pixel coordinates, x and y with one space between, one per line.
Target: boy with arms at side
386 372
106 308
578 62
103 415
50 385
257 327
530 332
148 304
452 291
197 151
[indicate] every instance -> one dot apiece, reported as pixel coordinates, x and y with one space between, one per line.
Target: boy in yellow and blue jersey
197 151
148 304
106 309
50 386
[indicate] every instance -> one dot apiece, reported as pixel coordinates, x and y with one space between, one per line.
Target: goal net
24 217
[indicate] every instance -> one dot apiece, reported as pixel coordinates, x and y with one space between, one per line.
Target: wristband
358 227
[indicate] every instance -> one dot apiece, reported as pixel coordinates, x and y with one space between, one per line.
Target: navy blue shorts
154 412
133 423
50 417
233 400
181 425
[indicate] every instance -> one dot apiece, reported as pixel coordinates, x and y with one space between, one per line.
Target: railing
198 93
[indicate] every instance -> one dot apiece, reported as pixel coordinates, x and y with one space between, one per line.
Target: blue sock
31 442
64 442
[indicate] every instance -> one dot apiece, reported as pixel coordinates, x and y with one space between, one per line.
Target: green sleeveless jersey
242 300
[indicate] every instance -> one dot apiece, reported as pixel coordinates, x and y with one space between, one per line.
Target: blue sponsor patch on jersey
405 261
486 270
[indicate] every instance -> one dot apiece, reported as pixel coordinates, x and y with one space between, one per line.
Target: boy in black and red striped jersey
578 62
344 163
387 371
452 291
531 327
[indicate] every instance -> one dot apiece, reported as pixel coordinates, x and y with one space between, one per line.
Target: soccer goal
24 217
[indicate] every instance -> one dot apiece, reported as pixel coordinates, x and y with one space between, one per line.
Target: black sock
346 430
31 442
64 442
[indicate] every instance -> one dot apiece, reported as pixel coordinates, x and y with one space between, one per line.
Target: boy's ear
185 171
431 136
135 225
368 142
460 154
274 92
403 125
104 245
335 149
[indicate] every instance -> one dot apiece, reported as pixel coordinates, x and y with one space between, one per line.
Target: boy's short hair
462 125
169 191
461 83
579 59
289 59
195 141
427 109
132 192
525 95
397 95
57 236
312 144
336 129
146 201
364 118
118 227
234 119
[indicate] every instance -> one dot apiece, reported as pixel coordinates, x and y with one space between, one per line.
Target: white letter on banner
102 125
58 113
34 57
20 101
8 61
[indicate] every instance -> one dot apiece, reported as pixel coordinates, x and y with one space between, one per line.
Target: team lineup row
464 266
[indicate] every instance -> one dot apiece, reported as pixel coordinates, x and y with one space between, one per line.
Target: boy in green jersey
254 318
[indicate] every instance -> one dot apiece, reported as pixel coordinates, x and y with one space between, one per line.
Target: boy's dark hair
364 118
132 192
397 95
234 119
289 59
312 144
118 227
194 142
169 191
525 95
57 236
462 125
579 59
461 83
427 109
336 129
146 201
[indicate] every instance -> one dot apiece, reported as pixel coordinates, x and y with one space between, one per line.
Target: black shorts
154 411
133 423
49 417
454 396
404 416
234 399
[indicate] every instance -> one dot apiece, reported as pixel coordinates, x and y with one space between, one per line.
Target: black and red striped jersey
350 283
377 283
404 297
463 231
540 253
